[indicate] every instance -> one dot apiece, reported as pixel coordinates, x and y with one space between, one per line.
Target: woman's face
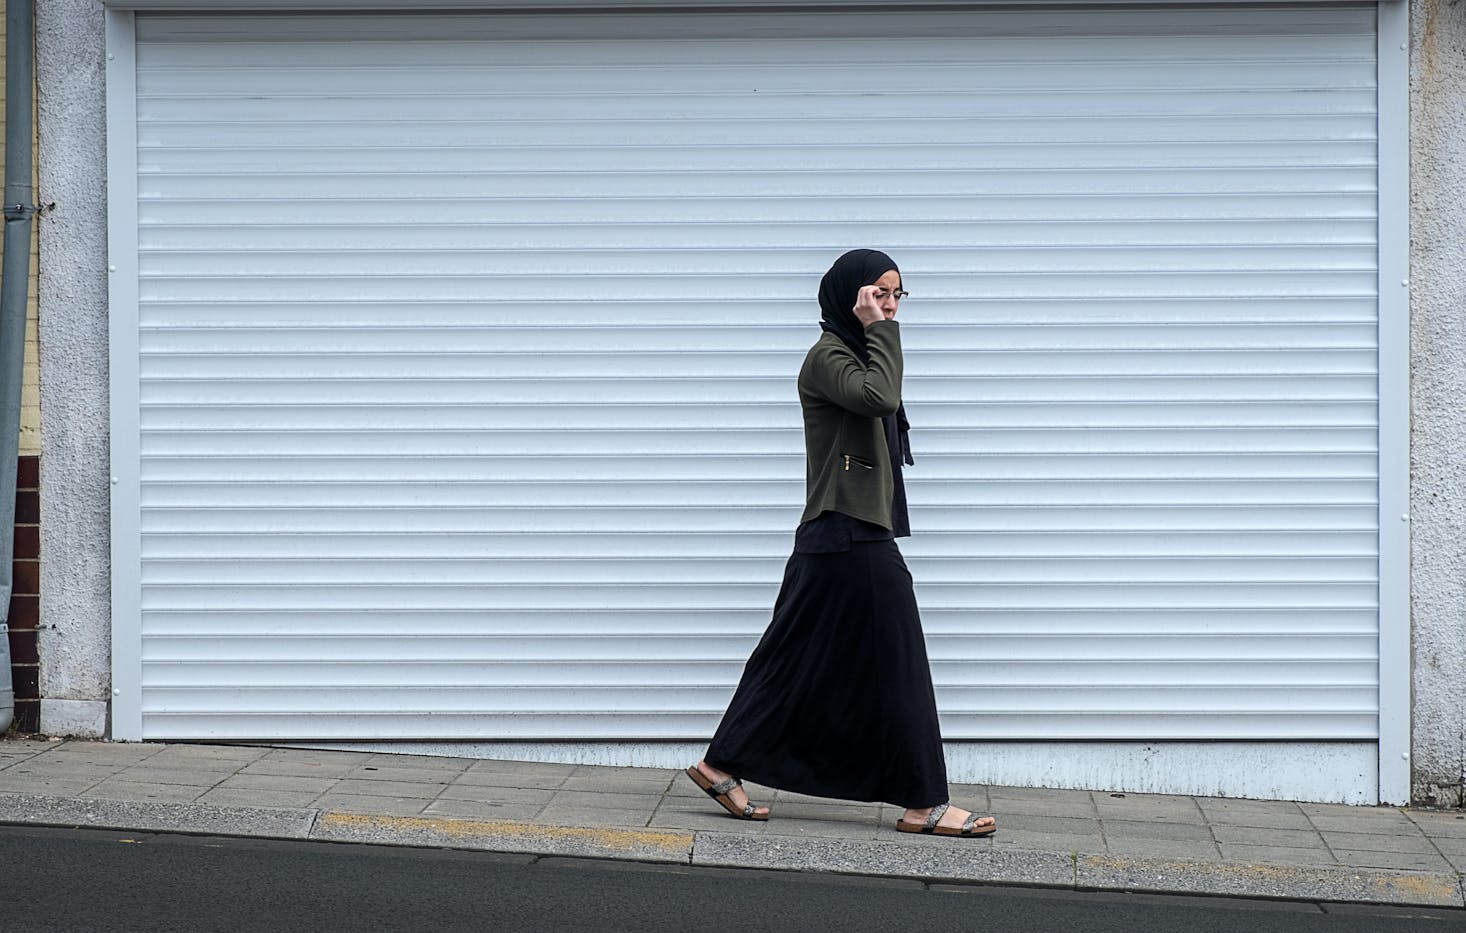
886 288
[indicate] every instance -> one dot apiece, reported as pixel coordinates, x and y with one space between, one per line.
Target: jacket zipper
858 462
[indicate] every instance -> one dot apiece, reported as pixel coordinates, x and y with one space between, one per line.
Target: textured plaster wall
1438 398
75 640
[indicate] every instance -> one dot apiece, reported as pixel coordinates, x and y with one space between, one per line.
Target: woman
836 700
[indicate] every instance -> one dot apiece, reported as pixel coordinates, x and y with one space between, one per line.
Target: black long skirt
836 700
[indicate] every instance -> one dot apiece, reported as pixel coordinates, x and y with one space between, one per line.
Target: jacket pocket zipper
858 462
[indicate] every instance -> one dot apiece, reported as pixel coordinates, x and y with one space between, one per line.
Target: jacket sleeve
873 390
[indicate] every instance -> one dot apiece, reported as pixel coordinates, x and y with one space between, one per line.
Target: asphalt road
89 880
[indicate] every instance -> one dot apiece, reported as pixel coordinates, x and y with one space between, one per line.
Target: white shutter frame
167 568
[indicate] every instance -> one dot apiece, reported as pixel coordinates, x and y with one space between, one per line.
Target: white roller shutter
466 350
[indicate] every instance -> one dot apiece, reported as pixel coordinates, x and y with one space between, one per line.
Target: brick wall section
25 598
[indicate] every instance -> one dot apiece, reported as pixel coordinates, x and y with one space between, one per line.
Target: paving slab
231 797
357 803
1258 836
1415 841
505 836
156 816
149 773
282 783
1155 830
1084 839
845 856
1244 879
132 790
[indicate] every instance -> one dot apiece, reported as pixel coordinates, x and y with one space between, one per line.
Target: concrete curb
950 862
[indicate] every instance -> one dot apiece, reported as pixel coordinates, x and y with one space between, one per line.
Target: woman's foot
734 794
952 819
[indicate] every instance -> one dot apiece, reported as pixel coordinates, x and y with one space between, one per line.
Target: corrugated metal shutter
468 348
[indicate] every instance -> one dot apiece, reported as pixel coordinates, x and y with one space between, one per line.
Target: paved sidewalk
1068 839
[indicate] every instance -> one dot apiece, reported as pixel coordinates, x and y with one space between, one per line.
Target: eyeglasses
881 294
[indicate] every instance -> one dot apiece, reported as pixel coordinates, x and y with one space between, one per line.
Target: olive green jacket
848 468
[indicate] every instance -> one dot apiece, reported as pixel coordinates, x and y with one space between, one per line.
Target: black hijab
839 290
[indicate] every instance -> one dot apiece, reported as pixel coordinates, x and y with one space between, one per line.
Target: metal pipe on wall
19 208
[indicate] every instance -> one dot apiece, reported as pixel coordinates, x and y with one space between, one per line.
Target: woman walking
836 700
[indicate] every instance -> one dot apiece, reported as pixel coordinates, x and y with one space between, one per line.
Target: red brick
27 716
25 612
28 472
23 646
27 680
26 578
27 542
27 507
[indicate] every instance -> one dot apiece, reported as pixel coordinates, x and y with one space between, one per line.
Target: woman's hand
868 308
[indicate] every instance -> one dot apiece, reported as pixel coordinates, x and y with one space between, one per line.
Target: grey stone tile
53 787
788 828
523 779
1373 842
1149 808
254 797
358 788
159 816
505 766
1071 808
129 790
420 762
104 753
864 815
590 772
437 777
1045 842
318 755
1405 861
383 806
1449 845
1276 838
282 767
1261 814
1064 826
1439 823
529 799
279 783
703 820
1162 848
654 783
593 816
148 774
1040 800
894 854
1372 825
57 772
480 810
1457 861
592 800
1276 855
1141 829
24 746
195 755
1349 810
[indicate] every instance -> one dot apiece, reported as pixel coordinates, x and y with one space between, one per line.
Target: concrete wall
75 639
1438 393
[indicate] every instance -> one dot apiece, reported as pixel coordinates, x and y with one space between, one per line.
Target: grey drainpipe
14 286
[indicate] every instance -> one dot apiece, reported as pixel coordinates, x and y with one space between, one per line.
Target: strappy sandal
720 791
968 830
